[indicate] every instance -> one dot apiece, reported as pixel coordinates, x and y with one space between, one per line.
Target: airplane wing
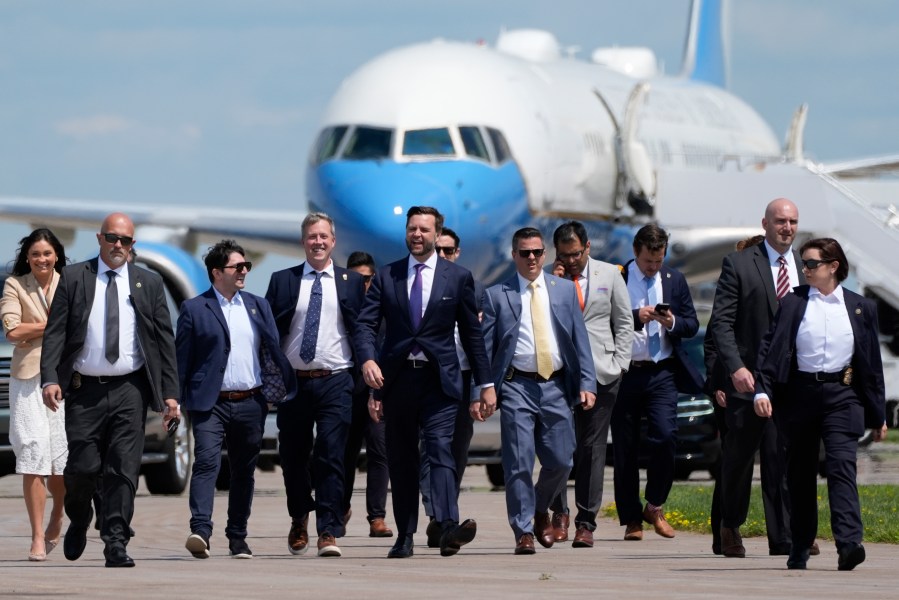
864 167
260 231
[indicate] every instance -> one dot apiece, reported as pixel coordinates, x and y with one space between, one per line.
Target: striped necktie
783 278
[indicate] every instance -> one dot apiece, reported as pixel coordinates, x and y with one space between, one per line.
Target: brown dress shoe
634 531
327 545
433 532
525 544
298 538
378 528
655 516
732 543
813 550
543 529
583 538
560 527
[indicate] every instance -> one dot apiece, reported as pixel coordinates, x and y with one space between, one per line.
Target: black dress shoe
798 559
780 550
455 536
402 548
851 555
74 542
116 557
433 532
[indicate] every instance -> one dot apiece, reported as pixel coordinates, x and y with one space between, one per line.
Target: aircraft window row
328 142
474 142
499 145
368 143
428 142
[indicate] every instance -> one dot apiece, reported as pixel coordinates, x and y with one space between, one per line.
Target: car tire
171 476
495 474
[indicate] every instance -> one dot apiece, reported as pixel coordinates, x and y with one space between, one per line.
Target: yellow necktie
541 334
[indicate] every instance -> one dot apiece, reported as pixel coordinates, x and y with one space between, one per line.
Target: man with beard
421 299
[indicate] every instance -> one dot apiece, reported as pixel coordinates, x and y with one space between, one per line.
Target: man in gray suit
603 299
542 368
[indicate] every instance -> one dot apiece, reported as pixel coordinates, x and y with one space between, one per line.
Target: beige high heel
38 556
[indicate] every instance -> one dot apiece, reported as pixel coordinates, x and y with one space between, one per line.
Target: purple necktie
415 303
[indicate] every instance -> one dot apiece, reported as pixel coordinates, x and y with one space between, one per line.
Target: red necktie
783 279
580 292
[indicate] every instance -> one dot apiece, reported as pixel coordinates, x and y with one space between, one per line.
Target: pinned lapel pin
552 282
137 285
253 310
858 311
344 276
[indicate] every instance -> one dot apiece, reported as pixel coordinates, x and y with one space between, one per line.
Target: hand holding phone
662 308
172 426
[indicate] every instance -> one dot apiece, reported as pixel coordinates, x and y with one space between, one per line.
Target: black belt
639 364
316 373
417 363
79 379
533 375
239 394
822 376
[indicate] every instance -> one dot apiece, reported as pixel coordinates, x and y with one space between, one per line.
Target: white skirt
37 434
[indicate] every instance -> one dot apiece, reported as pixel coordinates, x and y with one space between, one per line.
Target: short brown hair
426 210
652 237
831 251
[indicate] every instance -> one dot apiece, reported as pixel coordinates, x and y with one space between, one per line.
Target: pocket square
602 290
447 298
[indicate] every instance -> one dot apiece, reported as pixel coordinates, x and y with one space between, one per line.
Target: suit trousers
746 434
327 404
105 431
648 390
238 426
717 492
592 434
832 413
417 411
537 422
462 434
376 476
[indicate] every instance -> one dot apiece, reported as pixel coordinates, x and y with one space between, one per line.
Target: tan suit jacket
22 303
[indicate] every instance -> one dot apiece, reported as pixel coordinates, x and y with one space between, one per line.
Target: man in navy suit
659 368
315 306
542 370
417 377
230 367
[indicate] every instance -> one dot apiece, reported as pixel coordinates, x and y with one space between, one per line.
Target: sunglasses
573 256
537 252
812 263
445 250
367 278
112 238
243 266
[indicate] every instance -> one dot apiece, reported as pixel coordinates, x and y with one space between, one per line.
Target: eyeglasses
112 238
572 256
445 250
813 263
537 252
243 266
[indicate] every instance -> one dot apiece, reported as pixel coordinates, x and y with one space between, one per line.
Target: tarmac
683 567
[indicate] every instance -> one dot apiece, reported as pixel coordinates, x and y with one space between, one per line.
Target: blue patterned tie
415 304
653 328
313 317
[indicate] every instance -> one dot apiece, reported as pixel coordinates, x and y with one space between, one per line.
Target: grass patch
688 509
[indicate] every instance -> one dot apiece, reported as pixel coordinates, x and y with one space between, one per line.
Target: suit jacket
452 301
22 303
502 319
67 328
610 323
203 343
745 304
777 357
676 293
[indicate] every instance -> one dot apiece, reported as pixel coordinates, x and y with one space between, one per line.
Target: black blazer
745 304
676 293
67 328
777 357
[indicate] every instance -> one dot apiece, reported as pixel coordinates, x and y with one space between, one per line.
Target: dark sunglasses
812 263
243 266
537 252
367 278
445 250
112 238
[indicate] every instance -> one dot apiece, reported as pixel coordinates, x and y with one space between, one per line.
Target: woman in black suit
820 362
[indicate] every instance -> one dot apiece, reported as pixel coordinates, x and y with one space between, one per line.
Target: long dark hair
21 266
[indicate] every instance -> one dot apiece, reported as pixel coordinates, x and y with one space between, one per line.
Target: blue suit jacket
777 355
502 317
202 344
676 293
452 300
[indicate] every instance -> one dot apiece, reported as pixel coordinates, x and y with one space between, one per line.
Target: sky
216 102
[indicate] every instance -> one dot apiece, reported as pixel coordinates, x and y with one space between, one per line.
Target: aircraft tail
705 54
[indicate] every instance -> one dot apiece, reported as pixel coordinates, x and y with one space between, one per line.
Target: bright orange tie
580 292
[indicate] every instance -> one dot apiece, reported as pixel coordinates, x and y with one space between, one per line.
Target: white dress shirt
427 282
792 270
824 342
91 359
242 371
525 357
636 289
332 347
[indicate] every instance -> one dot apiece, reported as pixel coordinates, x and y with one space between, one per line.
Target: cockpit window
428 142
500 146
367 143
474 142
328 142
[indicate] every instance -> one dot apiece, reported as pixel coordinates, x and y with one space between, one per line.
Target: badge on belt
76 380
847 376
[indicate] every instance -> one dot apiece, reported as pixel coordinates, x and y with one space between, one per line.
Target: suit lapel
856 319
31 288
293 286
556 302
513 296
212 303
438 286
89 280
797 261
665 274
763 266
400 275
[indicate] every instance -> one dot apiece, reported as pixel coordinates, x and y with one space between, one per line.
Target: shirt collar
773 255
636 272
236 300
835 297
102 267
329 270
524 284
431 263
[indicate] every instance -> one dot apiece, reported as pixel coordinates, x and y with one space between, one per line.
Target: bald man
108 353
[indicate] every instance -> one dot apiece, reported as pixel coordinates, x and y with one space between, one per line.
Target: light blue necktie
653 328
313 317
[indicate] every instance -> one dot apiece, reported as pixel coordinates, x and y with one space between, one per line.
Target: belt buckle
818 377
102 380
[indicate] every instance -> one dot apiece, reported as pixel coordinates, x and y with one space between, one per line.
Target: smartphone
662 307
173 426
